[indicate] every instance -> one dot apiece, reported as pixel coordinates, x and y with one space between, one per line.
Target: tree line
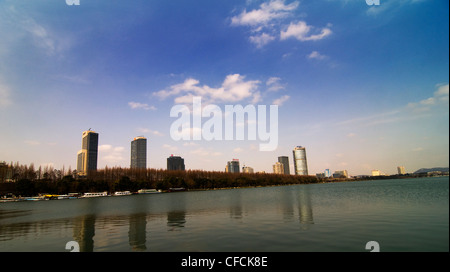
29 181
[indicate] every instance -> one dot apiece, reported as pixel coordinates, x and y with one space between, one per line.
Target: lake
401 215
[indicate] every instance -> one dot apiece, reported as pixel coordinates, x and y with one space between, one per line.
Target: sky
360 87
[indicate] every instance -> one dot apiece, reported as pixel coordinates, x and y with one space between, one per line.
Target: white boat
149 191
35 198
123 193
95 194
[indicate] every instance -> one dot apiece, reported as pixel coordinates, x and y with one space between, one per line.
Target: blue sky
361 87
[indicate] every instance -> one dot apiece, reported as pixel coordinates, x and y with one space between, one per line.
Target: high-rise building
401 170
376 173
285 161
248 169
300 163
327 173
175 163
88 155
139 152
233 166
278 168
340 174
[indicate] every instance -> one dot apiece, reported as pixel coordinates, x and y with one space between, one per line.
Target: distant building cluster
87 158
88 155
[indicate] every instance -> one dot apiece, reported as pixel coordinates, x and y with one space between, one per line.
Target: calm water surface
401 215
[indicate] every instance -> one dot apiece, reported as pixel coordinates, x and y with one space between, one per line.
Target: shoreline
42 197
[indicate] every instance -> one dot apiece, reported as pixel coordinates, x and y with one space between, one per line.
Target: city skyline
362 87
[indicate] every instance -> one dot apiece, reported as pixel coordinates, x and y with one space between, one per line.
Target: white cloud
272 81
440 96
233 89
40 35
274 84
188 85
19 27
267 12
190 144
256 98
411 111
32 142
261 40
428 101
149 131
137 105
202 152
442 93
270 18
170 147
316 55
110 155
302 32
280 101
104 147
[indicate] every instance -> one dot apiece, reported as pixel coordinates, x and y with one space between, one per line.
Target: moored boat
148 191
123 193
86 195
177 189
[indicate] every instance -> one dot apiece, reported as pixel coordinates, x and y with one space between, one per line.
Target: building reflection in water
84 226
176 216
305 208
236 204
287 205
137 235
176 220
84 231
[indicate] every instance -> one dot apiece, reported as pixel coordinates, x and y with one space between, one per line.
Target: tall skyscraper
278 168
300 164
139 153
88 155
233 166
285 161
401 170
175 163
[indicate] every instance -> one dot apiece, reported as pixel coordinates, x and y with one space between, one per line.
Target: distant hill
425 170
